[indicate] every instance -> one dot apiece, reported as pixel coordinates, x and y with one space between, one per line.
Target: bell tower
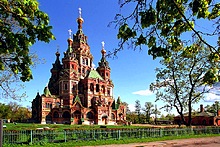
81 49
103 68
69 76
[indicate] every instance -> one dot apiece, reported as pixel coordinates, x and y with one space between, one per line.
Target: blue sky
131 72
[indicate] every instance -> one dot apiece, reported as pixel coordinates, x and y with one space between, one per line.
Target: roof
94 75
47 92
205 114
196 114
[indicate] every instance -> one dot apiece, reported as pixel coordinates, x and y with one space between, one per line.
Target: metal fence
37 136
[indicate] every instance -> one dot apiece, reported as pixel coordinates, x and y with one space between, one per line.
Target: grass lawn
59 127
106 142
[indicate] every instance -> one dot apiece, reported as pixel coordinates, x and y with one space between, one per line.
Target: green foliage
14 112
164 25
148 110
125 32
213 108
21 24
182 74
138 110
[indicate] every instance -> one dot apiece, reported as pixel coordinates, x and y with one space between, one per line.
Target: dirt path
193 142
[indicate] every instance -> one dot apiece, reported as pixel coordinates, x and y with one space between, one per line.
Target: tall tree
162 25
21 24
148 110
181 82
138 110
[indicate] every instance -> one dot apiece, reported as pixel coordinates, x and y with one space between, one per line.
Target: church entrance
77 117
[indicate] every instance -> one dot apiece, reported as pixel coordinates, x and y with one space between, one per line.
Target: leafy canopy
163 25
180 83
21 24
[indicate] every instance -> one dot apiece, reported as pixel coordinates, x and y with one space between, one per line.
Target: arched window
103 89
108 91
66 114
55 114
113 116
48 118
81 88
91 87
65 86
48 105
89 115
97 87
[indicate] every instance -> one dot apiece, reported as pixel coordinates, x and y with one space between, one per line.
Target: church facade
77 93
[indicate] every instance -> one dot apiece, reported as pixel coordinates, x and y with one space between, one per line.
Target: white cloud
213 94
143 92
211 97
131 107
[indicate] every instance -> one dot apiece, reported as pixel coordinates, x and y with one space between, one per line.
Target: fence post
65 135
31 136
118 134
1 132
161 132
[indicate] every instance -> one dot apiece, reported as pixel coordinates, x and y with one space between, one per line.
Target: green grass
106 142
60 127
33 126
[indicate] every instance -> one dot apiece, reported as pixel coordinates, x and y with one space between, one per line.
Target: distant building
77 93
201 118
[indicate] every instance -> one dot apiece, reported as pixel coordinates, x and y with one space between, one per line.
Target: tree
21 24
163 25
181 82
14 112
148 110
5 111
132 117
213 108
138 110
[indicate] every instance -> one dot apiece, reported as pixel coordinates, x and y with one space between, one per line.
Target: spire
80 19
103 62
103 51
70 33
79 36
57 64
70 41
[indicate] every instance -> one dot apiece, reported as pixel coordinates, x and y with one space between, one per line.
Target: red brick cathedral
77 93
